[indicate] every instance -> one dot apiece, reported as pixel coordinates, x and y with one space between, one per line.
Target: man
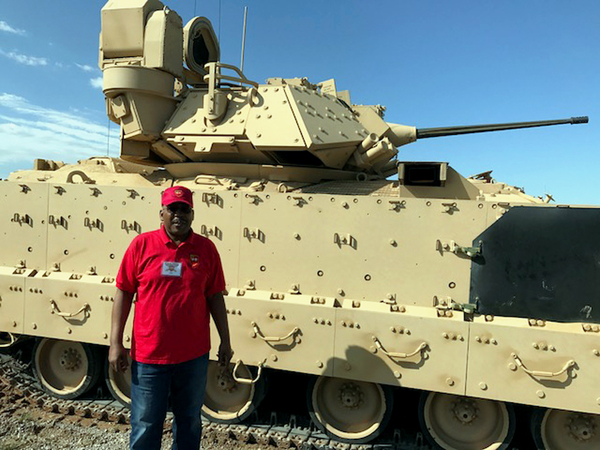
177 277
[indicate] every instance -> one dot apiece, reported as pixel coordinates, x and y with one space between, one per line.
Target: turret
180 107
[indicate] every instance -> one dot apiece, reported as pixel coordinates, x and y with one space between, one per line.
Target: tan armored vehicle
367 274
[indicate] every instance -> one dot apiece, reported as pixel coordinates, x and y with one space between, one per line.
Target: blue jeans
151 387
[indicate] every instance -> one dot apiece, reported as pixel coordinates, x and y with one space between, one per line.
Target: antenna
244 38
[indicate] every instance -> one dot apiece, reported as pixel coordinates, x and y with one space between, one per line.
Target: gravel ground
24 427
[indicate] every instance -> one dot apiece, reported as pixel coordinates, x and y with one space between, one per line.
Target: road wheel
119 383
350 411
226 400
553 429
452 422
65 369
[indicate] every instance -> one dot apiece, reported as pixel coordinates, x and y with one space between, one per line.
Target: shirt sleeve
127 279
216 280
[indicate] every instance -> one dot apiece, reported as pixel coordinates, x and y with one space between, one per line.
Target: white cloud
85 67
6 27
24 59
96 82
30 131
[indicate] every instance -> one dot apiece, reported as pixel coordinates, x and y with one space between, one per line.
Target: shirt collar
166 240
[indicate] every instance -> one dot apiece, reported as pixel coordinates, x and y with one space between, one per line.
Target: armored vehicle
369 275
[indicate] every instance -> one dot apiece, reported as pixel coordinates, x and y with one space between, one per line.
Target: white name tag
171 269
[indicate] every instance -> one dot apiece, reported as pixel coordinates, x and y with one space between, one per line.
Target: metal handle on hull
84 309
393 355
238 363
542 373
271 338
13 339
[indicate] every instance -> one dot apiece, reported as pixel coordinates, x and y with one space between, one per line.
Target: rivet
347 366
393 329
69 331
104 335
541 394
494 341
535 345
477 339
512 366
450 381
342 322
483 386
270 315
487 340
252 334
595 351
34 326
127 338
552 348
445 335
489 318
340 292
274 357
373 349
531 321
540 323
402 309
296 236
460 337
587 327
14 324
397 374
319 364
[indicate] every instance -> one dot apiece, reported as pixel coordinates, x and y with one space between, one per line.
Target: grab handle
399 355
238 363
542 373
272 338
55 310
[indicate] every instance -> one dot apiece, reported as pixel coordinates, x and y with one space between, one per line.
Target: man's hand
118 358
224 354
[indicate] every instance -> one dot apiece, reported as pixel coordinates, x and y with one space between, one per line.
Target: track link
297 433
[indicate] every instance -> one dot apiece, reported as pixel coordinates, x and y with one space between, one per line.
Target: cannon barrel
423 133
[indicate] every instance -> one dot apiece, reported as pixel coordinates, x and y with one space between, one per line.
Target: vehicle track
277 431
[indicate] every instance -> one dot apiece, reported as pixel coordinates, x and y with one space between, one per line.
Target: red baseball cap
177 194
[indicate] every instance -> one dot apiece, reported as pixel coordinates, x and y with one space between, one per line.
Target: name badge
171 269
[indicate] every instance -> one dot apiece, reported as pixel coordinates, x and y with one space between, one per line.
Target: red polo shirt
171 322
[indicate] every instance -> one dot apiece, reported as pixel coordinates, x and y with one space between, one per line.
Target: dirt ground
25 427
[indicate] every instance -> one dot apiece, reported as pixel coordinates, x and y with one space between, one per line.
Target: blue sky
431 63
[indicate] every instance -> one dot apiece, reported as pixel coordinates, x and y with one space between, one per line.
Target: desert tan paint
355 278
344 302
